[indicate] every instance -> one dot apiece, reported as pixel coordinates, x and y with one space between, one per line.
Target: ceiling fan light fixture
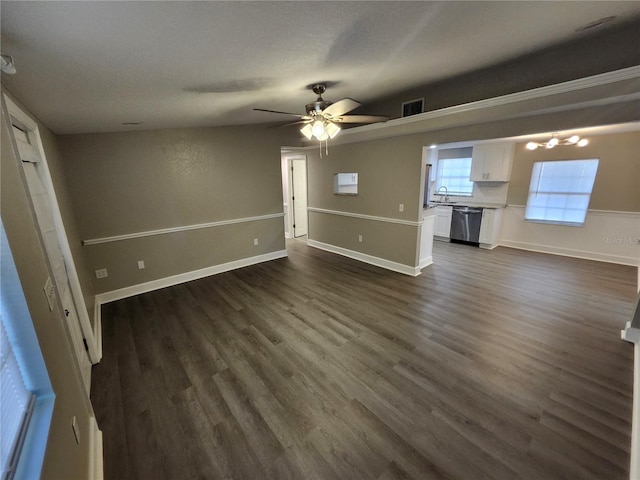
307 131
332 129
583 143
318 129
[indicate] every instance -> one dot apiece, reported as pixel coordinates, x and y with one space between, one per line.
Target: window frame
20 330
556 197
448 155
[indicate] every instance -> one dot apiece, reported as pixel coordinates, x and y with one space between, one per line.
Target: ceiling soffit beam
600 90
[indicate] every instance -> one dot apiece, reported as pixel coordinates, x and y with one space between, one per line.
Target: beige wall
64 458
617 185
388 175
124 183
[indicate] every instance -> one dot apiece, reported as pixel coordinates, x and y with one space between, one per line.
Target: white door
36 177
299 196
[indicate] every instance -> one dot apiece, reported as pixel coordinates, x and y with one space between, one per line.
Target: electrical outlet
76 431
102 273
360 238
401 207
140 264
255 241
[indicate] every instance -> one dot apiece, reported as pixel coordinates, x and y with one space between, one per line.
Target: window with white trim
16 406
26 396
560 191
454 172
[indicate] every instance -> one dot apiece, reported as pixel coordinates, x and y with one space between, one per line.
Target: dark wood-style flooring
491 364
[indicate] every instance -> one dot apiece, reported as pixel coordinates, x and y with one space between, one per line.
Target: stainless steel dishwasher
465 225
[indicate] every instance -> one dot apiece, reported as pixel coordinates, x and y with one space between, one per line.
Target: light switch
401 207
140 264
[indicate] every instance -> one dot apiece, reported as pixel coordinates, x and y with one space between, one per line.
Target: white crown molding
164 231
424 122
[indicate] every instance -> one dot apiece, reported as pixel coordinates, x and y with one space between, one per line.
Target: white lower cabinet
442 230
490 227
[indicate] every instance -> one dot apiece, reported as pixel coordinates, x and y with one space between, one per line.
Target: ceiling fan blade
341 107
361 119
295 122
276 111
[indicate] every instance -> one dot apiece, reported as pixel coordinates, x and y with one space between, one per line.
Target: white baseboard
566 252
126 292
632 334
363 257
425 262
96 465
635 422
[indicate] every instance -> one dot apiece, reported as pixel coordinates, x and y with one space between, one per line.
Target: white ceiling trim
421 121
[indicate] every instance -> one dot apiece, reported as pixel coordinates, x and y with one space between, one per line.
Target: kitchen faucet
446 193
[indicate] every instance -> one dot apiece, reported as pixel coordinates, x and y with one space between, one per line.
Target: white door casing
48 219
299 196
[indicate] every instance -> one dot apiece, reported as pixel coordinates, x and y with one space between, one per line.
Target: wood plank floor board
496 364
259 436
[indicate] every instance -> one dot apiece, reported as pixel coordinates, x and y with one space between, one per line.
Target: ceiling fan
322 116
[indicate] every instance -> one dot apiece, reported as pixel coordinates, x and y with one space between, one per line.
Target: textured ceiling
91 66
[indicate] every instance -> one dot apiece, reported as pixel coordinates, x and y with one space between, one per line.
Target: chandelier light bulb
307 131
554 141
318 129
332 129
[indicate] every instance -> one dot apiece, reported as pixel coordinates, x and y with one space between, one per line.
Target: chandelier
554 141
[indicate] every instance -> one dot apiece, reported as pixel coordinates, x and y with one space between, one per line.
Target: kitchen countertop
464 204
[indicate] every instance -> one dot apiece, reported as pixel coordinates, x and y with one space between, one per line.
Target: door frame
94 347
291 206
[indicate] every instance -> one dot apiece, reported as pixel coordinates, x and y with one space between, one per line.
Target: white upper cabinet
491 162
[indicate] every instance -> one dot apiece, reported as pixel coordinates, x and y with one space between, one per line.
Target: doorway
63 287
299 196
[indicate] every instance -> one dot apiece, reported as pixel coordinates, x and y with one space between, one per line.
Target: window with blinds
560 191
15 408
454 171
26 395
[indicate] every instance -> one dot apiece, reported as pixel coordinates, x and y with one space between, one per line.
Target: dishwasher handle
467 209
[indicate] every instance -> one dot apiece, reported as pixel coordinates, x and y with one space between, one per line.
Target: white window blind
16 405
560 191
454 171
